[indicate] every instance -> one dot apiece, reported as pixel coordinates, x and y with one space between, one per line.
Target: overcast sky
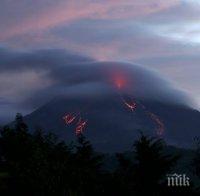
160 35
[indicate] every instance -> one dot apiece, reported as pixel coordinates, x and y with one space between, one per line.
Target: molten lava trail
131 105
120 82
69 118
80 126
160 126
77 120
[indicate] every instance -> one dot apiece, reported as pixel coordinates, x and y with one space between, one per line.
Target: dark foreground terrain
40 165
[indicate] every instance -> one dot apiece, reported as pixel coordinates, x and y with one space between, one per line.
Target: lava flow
69 118
130 104
80 126
160 126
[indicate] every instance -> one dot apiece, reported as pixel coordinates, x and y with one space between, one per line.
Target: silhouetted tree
124 175
48 170
39 164
16 148
87 169
20 125
151 165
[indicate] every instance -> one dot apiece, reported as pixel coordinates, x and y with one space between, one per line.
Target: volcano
111 103
111 126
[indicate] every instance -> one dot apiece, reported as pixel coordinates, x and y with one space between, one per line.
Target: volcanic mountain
111 103
112 126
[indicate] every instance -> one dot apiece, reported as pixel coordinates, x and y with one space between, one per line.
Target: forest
39 164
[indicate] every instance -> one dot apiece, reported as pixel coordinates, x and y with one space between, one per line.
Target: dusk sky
160 35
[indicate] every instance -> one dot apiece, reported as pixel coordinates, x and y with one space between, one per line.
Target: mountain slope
111 126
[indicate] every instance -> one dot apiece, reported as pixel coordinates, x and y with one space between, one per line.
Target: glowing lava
130 105
160 126
120 82
119 79
80 126
69 118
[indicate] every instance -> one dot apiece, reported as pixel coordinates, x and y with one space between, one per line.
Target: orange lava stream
160 126
130 105
80 126
69 119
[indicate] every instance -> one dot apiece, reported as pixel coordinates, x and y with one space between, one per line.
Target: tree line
39 164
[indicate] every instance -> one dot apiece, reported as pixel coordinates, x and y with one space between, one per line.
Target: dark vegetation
40 165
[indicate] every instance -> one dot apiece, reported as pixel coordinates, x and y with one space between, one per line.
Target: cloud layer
30 15
30 79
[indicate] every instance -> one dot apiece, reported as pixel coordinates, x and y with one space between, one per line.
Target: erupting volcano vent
118 78
110 101
121 83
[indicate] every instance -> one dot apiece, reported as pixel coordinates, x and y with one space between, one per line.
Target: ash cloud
32 78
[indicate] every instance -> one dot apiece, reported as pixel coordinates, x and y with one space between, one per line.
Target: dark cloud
39 76
40 59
